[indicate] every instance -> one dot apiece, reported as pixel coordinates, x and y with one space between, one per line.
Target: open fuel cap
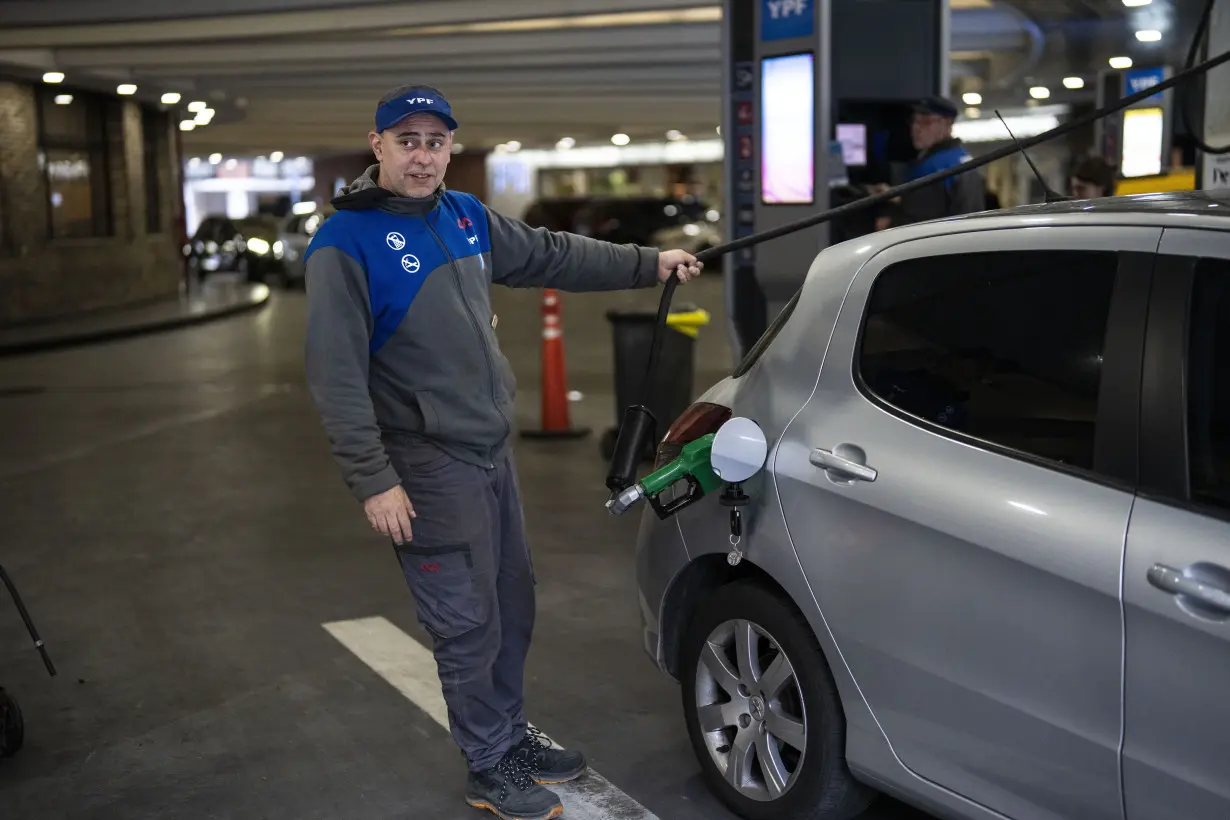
739 450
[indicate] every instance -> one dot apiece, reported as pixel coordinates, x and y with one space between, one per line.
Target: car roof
1211 208
1187 209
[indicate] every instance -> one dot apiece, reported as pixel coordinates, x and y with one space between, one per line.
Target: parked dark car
248 247
618 219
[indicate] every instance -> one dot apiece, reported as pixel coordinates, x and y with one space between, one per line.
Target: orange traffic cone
555 418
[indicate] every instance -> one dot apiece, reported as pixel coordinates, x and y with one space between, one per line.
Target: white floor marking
410 668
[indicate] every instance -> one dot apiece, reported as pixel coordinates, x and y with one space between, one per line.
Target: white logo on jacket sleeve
410 262
396 241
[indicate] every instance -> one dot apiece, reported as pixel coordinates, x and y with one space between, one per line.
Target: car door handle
845 467
1211 595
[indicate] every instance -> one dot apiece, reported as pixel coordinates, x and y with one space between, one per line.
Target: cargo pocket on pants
447 597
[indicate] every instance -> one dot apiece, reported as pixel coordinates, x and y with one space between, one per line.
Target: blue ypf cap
413 99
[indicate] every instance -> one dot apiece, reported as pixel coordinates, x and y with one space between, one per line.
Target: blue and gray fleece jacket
399 324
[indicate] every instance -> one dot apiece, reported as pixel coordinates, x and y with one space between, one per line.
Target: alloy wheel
750 710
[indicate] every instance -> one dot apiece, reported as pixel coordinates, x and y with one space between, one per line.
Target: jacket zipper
452 263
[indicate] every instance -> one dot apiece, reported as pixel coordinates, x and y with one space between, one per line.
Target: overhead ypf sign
786 19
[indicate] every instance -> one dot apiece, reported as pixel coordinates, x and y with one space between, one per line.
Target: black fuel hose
639 423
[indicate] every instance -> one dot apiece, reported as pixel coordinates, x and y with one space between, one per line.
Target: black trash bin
670 392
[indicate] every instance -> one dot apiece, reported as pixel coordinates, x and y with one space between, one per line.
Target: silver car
986 567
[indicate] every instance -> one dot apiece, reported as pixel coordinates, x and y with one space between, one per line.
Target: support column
1215 169
794 70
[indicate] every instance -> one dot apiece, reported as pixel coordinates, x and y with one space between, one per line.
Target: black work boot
508 790
547 765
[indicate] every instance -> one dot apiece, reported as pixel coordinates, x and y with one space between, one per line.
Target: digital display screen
787 130
1144 136
853 139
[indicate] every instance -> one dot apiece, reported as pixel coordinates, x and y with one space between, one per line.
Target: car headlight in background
691 229
258 246
278 249
211 247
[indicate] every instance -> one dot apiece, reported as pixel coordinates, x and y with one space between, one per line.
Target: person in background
1092 177
938 150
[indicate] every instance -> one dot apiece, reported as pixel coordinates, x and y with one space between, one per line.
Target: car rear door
958 489
1176 755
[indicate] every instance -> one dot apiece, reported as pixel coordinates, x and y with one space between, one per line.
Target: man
1092 178
417 399
938 149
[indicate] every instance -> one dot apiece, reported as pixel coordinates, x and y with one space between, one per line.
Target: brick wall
466 173
42 278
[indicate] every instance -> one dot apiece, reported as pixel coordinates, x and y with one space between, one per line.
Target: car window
1208 384
1005 347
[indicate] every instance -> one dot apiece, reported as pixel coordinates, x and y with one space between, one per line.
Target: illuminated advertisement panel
1144 138
787 130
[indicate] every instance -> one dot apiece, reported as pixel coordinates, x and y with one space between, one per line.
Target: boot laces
516 772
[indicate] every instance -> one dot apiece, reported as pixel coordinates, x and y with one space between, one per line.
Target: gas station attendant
416 400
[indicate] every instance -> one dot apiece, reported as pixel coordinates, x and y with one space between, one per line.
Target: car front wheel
763 713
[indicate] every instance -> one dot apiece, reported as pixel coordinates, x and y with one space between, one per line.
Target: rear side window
1208 384
1005 347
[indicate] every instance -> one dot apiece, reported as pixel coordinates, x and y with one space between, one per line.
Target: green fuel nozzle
693 466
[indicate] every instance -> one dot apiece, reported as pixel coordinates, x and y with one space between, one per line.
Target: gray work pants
469 569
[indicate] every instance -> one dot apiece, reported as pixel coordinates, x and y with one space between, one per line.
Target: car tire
819 785
12 728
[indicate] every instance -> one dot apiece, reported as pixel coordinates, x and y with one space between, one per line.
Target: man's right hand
390 513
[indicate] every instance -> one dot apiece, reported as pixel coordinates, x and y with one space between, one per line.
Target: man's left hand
678 263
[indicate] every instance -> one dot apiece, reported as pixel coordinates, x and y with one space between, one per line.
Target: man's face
1083 189
413 155
928 129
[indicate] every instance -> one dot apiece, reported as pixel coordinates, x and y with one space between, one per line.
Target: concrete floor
179 531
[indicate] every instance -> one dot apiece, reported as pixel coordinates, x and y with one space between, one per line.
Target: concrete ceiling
303 76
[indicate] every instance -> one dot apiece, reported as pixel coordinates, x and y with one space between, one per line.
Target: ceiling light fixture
214 159
674 135
1136 3
1120 62
53 77
1073 83
972 98
196 106
276 156
170 98
1039 92
700 14
513 146
565 143
186 125
126 89
1148 35
621 139
204 117
64 99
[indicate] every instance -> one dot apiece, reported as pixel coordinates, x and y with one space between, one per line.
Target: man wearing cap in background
938 149
416 400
